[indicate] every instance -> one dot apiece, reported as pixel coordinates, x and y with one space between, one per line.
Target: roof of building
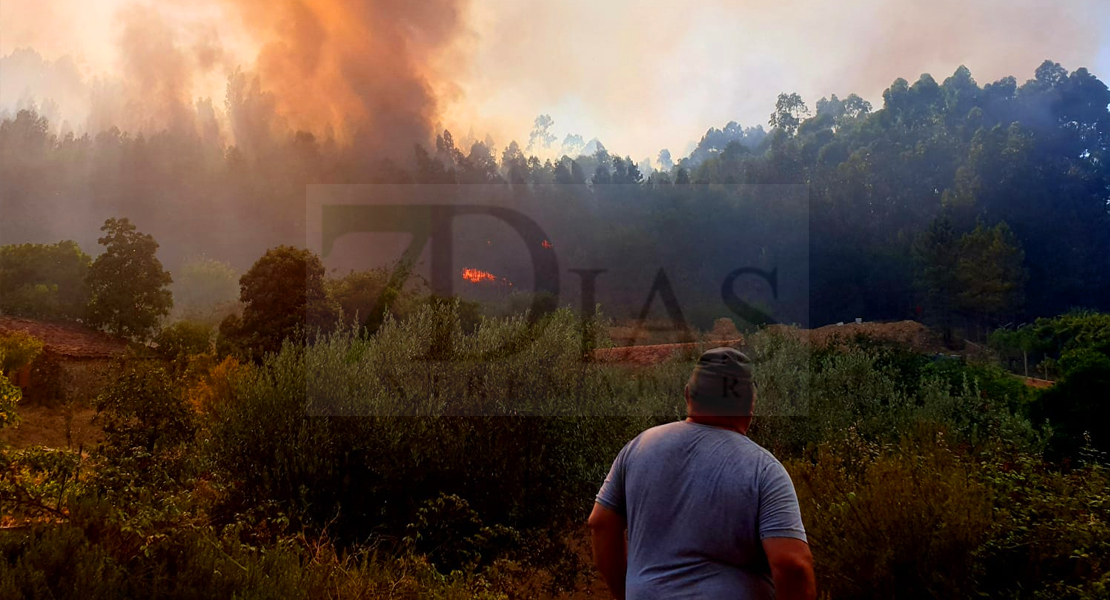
68 339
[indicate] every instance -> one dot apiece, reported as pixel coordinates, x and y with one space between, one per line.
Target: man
709 513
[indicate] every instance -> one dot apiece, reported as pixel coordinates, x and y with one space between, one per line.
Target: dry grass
46 426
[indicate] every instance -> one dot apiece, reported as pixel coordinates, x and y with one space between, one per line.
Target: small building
73 365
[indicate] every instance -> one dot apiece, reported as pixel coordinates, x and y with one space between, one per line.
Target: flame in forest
478 275
546 244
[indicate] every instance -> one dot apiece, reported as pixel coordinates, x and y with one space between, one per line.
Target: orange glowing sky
639 75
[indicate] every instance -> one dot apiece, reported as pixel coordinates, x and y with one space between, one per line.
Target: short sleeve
611 495
779 514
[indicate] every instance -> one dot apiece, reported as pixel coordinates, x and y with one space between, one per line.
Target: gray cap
722 381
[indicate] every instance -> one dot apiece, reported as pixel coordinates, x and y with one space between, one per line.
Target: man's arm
791 568
610 549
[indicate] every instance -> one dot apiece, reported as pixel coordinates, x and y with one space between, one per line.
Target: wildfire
546 244
478 275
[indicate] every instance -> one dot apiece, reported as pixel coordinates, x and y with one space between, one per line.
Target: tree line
966 205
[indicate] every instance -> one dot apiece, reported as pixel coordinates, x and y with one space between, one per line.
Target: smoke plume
360 69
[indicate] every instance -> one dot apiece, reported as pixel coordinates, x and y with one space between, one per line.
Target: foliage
923 518
215 386
885 522
1051 530
979 274
127 284
879 392
1077 405
789 111
17 349
366 296
427 460
184 339
84 562
10 394
283 294
1073 331
989 272
1031 154
143 407
36 482
44 281
510 420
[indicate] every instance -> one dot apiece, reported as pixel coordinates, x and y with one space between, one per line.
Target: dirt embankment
911 334
908 333
643 356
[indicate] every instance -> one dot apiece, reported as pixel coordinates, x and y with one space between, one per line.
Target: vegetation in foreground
395 463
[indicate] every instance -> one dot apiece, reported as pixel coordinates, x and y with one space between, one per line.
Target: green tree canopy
991 272
44 281
128 288
283 294
17 348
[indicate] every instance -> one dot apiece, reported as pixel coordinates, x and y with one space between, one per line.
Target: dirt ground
46 426
911 333
643 356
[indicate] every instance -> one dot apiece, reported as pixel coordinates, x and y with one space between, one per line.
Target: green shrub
143 406
925 519
360 430
1077 407
10 394
898 521
17 349
881 393
184 339
1051 531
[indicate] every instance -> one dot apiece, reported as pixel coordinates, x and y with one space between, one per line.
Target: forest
905 202
279 428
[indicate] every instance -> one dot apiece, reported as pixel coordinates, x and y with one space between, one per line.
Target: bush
17 349
925 519
184 339
360 430
880 393
1077 407
892 521
1051 531
143 407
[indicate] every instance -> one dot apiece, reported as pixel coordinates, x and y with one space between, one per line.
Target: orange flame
546 244
478 275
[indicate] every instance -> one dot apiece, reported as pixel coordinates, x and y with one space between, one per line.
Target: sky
638 75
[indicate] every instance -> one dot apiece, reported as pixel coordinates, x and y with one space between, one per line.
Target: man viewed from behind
709 513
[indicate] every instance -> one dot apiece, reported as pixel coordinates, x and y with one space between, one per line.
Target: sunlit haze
640 76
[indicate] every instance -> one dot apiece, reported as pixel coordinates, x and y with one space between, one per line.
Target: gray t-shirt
699 500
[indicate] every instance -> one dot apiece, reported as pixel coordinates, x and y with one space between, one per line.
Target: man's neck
738 424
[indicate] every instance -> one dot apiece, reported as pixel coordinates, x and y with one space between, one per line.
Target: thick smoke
360 69
362 72
160 71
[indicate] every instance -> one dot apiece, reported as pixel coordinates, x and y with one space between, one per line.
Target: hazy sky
641 75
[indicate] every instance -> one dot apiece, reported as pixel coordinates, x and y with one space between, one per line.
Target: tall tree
790 109
283 294
937 252
128 288
991 273
541 137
